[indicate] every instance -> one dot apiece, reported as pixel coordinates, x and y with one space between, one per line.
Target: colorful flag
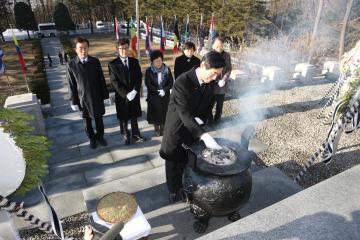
117 32
147 38
133 41
212 32
2 65
201 34
187 29
176 36
20 56
162 37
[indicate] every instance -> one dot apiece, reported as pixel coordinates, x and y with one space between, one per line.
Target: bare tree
343 28
315 30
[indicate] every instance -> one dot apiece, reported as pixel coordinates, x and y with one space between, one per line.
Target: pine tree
62 18
24 17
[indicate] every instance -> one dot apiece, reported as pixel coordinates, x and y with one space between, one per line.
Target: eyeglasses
124 49
82 48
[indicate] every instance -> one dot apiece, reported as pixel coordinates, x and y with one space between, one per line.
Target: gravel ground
286 120
292 131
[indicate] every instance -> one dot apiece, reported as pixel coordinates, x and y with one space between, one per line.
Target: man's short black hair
213 59
122 42
189 45
81 40
156 54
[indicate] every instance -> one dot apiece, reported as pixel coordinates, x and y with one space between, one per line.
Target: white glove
161 93
199 121
75 107
210 141
221 83
131 95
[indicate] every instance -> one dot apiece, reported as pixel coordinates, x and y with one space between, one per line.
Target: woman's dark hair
213 59
156 54
189 45
81 40
122 42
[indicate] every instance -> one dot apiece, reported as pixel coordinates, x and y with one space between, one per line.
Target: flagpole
8 81
27 84
138 29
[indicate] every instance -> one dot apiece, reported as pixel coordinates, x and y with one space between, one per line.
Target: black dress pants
134 127
219 101
89 129
174 172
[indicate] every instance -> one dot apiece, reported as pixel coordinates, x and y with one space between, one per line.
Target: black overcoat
184 64
188 100
124 81
87 87
157 105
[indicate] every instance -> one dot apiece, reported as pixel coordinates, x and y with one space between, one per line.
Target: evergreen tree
62 18
24 17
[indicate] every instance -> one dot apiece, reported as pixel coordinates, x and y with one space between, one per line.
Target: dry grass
13 69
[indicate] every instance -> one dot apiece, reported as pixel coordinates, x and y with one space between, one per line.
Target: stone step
134 169
329 210
270 185
78 144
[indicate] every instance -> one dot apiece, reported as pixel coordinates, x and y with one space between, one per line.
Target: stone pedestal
273 74
331 70
238 80
7 229
28 103
304 72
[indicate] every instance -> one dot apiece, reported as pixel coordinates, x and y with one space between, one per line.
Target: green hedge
68 47
35 148
38 83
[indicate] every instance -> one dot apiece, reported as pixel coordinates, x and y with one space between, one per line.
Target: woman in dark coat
159 81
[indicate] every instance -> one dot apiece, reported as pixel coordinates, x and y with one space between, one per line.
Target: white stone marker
273 74
331 69
304 71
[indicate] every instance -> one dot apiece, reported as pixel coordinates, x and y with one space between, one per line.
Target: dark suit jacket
184 64
87 87
187 101
124 81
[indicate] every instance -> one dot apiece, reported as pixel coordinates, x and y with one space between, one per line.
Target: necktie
125 64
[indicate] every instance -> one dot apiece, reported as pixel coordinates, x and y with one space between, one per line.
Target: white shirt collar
198 77
123 59
83 59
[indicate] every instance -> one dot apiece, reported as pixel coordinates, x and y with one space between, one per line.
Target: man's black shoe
92 144
102 142
127 140
138 138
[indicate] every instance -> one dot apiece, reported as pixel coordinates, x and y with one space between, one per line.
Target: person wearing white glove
210 141
88 90
190 104
159 81
125 77
222 86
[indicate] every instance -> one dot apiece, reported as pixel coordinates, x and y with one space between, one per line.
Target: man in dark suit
126 77
189 107
87 89
186 61
223 81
